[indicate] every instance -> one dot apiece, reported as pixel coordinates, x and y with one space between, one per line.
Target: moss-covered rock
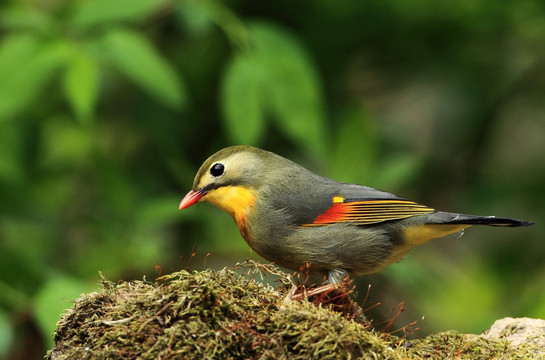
221 314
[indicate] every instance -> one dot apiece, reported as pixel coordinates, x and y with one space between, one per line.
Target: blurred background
108 108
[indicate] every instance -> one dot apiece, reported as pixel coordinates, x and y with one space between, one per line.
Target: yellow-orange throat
235 200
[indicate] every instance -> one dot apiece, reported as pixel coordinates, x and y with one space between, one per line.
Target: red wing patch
370 211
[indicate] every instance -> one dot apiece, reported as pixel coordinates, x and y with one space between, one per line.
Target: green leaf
99 12
80 85
275 78
135 57
53 299
242 102
293 87
6 334
26 65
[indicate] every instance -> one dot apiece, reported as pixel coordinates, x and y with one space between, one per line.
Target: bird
294 217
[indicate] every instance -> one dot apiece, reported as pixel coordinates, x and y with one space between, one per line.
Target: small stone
518 332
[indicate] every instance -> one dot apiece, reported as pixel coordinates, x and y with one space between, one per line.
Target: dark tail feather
450 218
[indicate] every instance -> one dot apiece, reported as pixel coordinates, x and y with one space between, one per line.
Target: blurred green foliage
107 109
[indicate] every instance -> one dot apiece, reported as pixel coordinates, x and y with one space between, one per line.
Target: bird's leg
314 292
335 278
291 294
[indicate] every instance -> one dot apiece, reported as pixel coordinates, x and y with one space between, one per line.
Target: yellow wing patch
366 212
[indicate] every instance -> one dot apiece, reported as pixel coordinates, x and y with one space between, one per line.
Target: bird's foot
324 289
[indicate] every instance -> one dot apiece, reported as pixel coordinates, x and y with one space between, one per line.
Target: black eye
217 169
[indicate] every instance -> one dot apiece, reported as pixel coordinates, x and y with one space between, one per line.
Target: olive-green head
231 178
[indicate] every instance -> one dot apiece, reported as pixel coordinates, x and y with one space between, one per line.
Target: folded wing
368 211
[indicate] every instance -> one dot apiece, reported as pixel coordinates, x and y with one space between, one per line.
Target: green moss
220 314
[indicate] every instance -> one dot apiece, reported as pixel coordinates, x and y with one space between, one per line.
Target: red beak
191 198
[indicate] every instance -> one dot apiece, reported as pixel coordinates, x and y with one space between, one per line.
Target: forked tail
462 219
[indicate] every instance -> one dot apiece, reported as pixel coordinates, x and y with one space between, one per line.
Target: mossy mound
221 314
